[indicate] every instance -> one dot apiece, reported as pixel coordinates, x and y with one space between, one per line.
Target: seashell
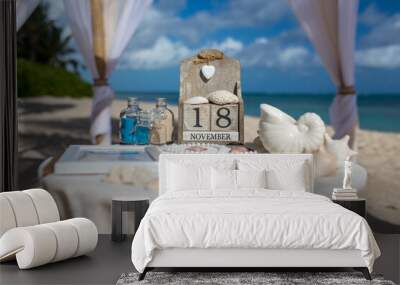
339 148
280 133
325 162
196 100
222 97
258 145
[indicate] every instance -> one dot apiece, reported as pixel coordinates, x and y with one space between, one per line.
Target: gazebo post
99 47
8 97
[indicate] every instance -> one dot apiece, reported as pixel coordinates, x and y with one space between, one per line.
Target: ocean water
379 112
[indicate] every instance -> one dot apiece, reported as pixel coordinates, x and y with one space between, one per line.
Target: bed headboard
249 159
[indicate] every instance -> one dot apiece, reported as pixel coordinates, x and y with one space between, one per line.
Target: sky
264 35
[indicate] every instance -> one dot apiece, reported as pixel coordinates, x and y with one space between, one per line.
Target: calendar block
210 123
225 117
196 117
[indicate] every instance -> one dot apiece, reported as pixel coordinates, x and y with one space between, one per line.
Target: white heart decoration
208 71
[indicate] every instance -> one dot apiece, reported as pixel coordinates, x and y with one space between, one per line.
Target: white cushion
290 175
87 233
290 180
252 162
34 244
23 208
223 179
45 205
40 244
251 179
232 180
188 177
7 220
26 208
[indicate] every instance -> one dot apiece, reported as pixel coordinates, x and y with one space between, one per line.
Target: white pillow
227 179
251 178
188 177
293 179
223 179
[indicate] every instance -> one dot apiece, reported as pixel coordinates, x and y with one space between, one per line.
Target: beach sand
47 125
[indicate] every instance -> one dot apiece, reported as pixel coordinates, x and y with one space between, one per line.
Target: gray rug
269 278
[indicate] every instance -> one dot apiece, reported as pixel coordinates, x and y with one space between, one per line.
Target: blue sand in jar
142 135
128 125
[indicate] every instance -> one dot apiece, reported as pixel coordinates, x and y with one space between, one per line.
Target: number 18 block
224 117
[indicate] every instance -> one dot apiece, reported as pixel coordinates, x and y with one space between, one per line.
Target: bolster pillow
26 208
40 244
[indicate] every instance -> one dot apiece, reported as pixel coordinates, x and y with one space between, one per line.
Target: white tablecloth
90 197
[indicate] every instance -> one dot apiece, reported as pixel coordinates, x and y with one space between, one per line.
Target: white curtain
331 27
121 18
24 10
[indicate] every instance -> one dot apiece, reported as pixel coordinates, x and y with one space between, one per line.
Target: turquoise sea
379 112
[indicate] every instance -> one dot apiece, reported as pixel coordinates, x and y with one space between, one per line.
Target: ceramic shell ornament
339 148
325 162
280 133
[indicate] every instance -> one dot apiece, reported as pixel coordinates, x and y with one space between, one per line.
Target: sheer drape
119 21
24 10
331 27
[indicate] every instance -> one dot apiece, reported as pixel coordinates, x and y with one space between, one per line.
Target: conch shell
325 162
280 133
339 148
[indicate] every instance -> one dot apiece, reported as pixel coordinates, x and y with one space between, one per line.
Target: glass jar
128 121
162 129
143 127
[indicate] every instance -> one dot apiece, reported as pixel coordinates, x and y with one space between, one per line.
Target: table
357 206
89 196
125 204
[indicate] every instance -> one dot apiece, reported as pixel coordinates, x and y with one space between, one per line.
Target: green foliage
41 40
44 57
35 79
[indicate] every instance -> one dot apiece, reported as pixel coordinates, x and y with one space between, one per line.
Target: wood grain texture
226 77
197 117
99 40
225 117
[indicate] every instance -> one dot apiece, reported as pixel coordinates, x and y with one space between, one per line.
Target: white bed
249 227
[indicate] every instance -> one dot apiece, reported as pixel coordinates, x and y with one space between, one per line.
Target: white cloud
261 40
270 52
229 46
254 12
293 56
384 32
162 19
171 7
371 16
387 57
380 46
164 53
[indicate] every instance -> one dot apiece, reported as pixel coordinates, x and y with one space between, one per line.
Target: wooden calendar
211 123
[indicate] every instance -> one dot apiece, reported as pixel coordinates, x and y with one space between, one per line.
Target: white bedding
252 218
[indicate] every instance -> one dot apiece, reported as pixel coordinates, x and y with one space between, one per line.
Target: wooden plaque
210 122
